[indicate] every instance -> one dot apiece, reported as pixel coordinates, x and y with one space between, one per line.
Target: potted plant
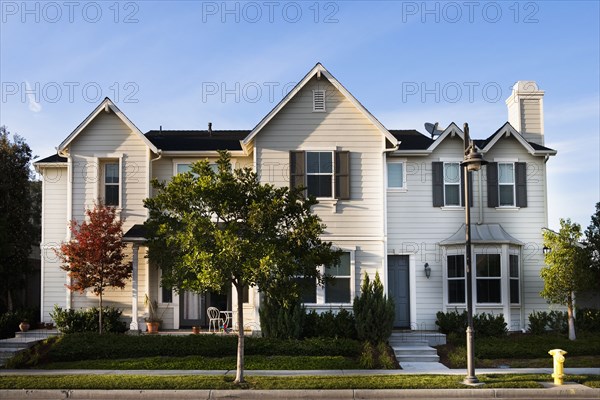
153 320
24 325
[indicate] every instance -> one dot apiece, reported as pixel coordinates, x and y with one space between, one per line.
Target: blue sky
180 64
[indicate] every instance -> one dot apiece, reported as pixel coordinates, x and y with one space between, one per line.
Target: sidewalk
335 372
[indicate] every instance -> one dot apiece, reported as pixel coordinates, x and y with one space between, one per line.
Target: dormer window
319 100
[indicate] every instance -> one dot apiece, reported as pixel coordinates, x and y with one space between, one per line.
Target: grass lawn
264 382
522 351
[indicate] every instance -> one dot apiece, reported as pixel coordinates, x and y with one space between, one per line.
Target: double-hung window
488 278
337 288
456 278
324 174
451 184
111 184
506 184
513 265
395 175
319 173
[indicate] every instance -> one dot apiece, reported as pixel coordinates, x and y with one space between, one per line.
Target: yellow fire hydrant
559 368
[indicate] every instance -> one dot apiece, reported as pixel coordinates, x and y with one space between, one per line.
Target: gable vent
319 100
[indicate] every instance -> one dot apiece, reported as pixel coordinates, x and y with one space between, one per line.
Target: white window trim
324 100
518 278
514 186
321 289
499 278
332 174
100 160
448 279
403 188
459 184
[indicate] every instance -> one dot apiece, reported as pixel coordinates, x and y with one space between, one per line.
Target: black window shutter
437 170
521 182
342 175
297 169
462 187
492 184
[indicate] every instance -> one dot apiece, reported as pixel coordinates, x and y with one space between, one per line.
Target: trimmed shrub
489 325
451 322
559 321
329 324
588 320
78 321
373 311
538 321
379 356
280 322
485 324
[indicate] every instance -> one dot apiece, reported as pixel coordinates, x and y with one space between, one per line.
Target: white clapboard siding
54 229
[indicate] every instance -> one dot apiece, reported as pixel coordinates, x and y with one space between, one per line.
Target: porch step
22 341
416 346
432 338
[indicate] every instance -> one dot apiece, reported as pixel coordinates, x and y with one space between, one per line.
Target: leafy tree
592 234
567 268
373 311
94 257
209 230
16 232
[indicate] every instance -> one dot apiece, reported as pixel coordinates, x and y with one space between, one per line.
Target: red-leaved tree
94 256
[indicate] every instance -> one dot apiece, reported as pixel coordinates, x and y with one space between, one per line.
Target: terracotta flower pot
24 326
195 330
152 327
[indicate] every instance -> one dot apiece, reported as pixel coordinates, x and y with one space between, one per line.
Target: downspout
147 280
385 213
480 196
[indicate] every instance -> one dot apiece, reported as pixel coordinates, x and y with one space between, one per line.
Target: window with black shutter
324 174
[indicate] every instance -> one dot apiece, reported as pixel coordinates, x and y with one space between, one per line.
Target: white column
134 290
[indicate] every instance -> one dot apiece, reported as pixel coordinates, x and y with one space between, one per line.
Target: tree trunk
571 317
100 314
239 374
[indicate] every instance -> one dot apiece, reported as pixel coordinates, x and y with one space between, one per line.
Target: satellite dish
432 128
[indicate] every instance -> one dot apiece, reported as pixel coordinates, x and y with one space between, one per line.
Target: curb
350 394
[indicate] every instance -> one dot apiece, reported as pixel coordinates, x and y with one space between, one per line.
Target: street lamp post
472 161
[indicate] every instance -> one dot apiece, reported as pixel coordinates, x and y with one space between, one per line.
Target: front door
190 309
399 289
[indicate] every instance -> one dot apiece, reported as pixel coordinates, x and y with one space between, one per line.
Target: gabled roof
197 140
318 69
508 130
484 233
53 159
106 105
451 130
411 139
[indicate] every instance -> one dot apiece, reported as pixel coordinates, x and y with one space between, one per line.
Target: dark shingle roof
136 231
197 140
55 158
411 139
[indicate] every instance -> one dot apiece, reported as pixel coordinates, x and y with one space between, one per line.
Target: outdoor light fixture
427 270
472 161
546 250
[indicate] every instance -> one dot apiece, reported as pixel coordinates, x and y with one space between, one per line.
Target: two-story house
392 200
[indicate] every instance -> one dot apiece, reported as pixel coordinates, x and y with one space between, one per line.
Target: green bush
485 324
538 321
451 322
329 324
77 321
84 346
559 321
277 321
489 325
587 320
373 311
9 321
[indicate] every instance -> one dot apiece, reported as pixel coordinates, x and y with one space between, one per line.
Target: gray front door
399 289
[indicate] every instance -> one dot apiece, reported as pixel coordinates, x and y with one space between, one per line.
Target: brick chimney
526 110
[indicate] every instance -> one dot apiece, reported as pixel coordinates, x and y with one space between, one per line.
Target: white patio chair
214 319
